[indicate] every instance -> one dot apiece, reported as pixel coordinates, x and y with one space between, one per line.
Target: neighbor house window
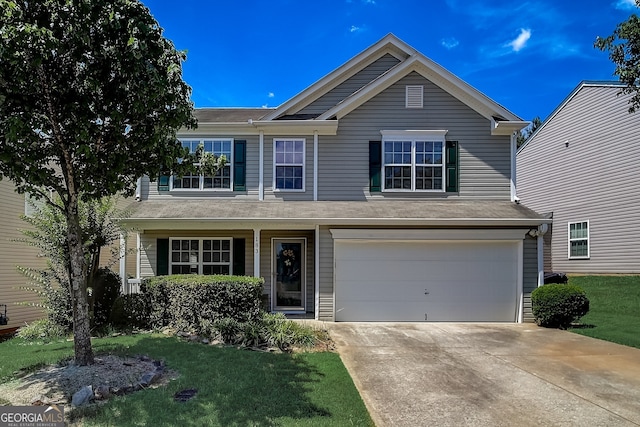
579 239
221 180
200 256
413 161
288 164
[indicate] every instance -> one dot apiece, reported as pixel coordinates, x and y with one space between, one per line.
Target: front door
288 275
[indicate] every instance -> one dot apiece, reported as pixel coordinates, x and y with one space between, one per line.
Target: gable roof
567 100
503 121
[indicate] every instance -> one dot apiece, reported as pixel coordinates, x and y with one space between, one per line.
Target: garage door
433 281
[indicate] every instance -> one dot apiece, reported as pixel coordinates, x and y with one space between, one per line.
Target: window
288 164
222 180
200 256
579 239
413 161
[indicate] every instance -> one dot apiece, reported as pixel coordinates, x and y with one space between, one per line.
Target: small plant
42 329
284 333
228 330
557 305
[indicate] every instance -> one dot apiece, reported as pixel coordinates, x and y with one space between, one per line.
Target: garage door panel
465 281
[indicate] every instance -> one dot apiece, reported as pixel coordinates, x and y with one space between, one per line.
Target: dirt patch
56 384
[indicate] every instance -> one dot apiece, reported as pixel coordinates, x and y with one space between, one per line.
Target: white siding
595 178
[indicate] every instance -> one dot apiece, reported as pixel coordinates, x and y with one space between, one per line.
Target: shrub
557 305
130 311
188 302
106 288
42 329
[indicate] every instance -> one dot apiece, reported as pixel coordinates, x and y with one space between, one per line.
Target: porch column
123 263
256 252
138 256
540 241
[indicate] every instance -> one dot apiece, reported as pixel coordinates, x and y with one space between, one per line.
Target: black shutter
451 166
238 257
162 260
239 166
375 166
163 183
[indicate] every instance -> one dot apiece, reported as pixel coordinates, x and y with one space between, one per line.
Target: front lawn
614 313
235 387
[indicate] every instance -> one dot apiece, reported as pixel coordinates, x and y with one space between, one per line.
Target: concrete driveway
433 374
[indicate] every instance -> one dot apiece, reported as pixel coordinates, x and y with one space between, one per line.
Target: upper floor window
413 161
579 239
288 164
221 180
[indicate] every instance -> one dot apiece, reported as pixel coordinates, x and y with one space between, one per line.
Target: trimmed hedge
191 302
558 305
131 310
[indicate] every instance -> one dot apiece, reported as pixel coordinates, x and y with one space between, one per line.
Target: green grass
614 312
235 387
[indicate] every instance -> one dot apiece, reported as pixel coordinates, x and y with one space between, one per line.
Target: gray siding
344 159
351 85
13 254
529 274
595 178
326 300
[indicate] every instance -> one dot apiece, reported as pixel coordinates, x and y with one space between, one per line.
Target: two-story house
383 192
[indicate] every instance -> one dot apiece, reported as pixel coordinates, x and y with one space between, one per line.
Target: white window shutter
414 96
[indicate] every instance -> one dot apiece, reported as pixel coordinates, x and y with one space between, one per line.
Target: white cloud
449 43
271 95
354 29
265 106
369 1
520 41
625 4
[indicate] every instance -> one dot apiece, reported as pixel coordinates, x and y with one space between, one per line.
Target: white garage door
433 281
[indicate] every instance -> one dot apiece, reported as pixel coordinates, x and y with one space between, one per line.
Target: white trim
316 271
315 166
256 252
200 250
414 133
588 239
303 165
275 128
261 168
436 234
520 283
303 275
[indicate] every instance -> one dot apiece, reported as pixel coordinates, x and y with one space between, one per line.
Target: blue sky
526 55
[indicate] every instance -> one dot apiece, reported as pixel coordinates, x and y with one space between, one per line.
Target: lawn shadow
582 326
235 387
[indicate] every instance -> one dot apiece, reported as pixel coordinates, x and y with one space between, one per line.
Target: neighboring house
581 166
383 192
12 254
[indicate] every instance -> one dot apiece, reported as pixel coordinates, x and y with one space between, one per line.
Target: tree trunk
78 278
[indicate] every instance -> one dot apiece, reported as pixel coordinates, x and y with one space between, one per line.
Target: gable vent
414 96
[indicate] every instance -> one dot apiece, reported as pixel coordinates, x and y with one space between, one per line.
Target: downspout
138 195
514 195
261 168
315 166
542 229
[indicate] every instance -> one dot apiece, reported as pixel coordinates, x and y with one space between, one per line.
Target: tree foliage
525 133
624 51
91 96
